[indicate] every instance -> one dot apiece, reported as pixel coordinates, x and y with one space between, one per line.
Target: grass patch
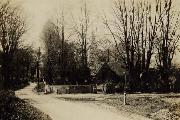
151 106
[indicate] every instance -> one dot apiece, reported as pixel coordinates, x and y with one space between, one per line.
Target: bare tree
168 38
81 30
134 34
12 27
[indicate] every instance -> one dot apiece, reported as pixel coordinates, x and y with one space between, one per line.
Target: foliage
40 88
60 63
12 27
12 108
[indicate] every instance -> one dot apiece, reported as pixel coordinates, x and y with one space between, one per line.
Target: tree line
144 32
16 60
143 36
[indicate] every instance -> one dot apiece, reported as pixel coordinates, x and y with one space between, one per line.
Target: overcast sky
38 12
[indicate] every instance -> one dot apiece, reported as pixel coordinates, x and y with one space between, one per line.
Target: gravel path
64 110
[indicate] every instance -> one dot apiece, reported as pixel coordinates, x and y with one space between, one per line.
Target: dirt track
65 110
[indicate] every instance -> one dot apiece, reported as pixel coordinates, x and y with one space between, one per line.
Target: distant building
110 77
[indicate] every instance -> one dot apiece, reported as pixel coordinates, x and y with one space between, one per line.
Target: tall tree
168 38
60 61
134 34
82 30
12 27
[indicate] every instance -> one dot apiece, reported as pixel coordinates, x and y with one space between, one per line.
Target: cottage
110 77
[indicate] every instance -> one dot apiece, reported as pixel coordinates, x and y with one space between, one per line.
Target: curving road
64 110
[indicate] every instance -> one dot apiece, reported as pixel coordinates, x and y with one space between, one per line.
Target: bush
13 108
119 88
20 86
41 87
6 94
110 87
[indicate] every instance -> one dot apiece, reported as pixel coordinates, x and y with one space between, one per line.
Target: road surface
64 110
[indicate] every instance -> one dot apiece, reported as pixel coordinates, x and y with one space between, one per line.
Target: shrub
41 87
110 87
13 108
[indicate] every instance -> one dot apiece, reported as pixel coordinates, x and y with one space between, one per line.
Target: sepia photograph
89 59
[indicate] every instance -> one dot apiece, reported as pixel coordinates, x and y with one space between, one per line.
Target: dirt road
64 110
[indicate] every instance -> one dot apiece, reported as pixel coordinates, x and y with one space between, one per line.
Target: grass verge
13 108
152 106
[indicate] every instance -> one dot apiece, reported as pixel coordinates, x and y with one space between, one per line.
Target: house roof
114 66
109 70
117 68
